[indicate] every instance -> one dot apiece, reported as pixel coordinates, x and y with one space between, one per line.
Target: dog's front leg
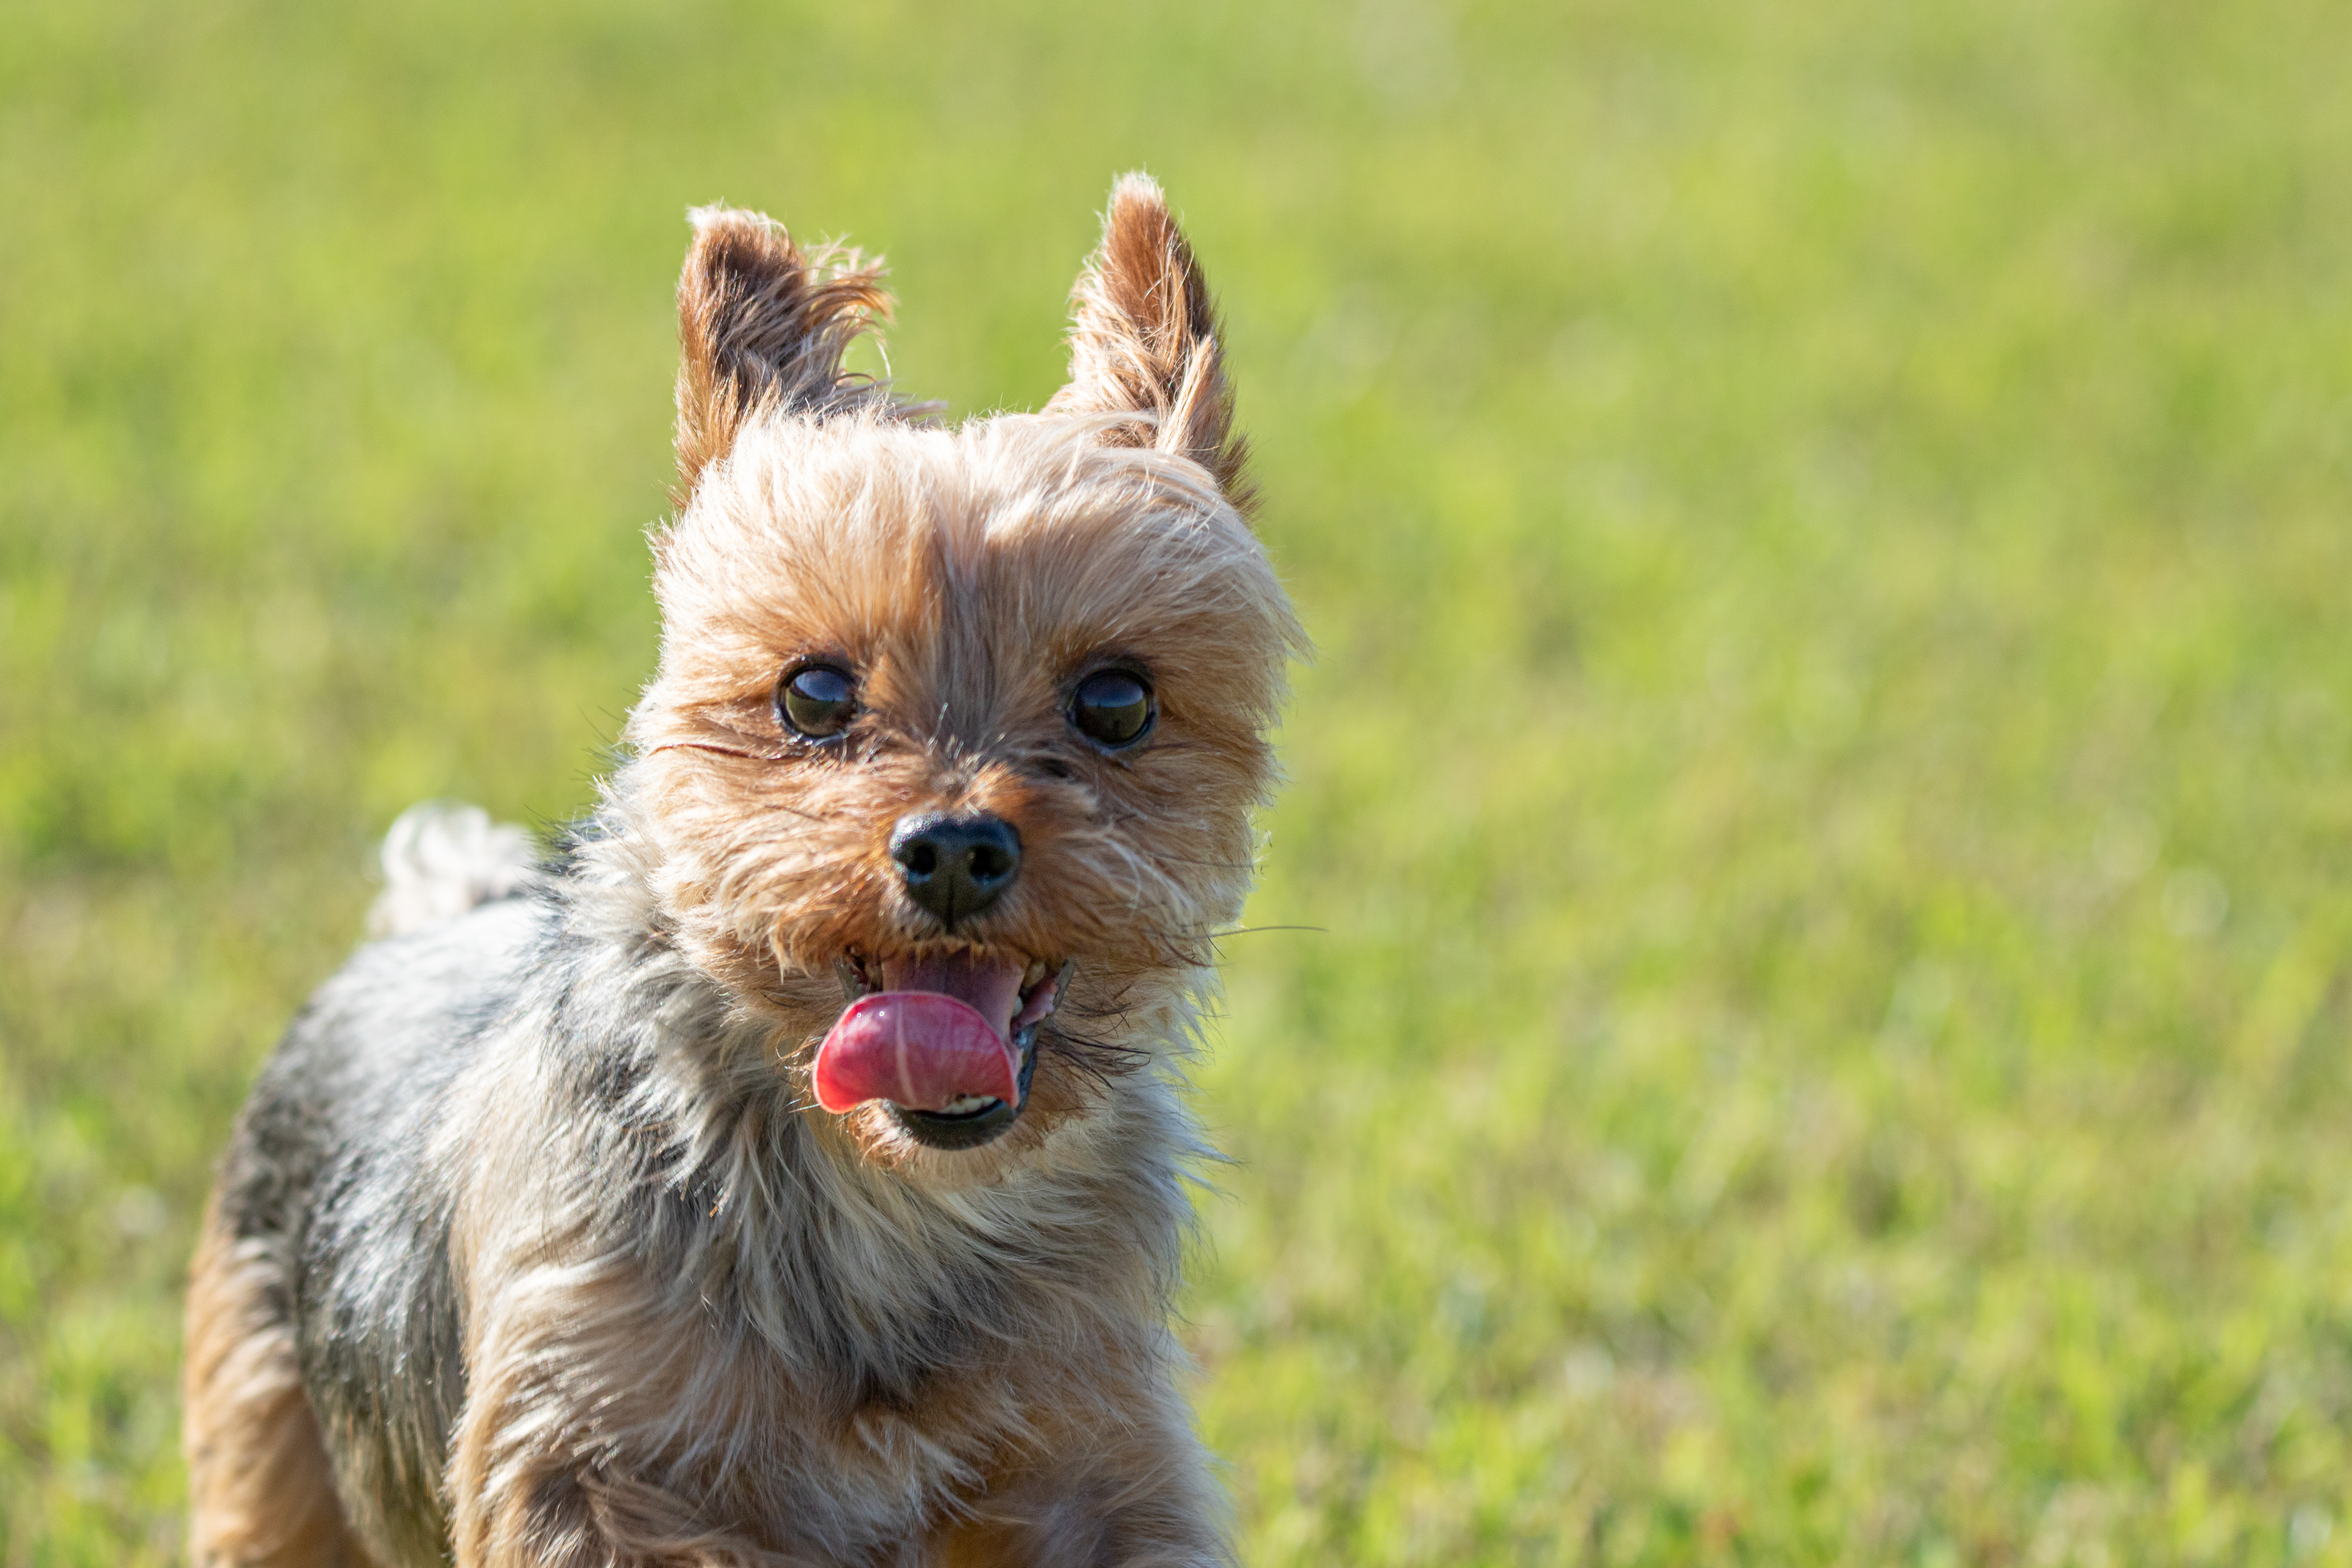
588 1517
523 1497
570 1372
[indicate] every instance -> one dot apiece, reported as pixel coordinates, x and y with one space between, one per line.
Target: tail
443 857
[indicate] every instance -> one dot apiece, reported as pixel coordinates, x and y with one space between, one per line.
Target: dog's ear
761 324
1144 339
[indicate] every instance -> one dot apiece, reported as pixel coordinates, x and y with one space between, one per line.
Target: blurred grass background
1827 781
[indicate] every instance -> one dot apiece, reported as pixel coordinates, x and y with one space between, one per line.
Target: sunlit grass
1827 786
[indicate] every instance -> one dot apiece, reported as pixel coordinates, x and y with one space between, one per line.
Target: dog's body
531 1248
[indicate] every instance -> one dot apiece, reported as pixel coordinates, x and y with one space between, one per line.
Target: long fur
531 1247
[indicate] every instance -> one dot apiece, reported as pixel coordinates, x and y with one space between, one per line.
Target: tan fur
659 1376
762 327
1145 339
261 1492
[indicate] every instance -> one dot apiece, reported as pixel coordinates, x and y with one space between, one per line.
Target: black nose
955 867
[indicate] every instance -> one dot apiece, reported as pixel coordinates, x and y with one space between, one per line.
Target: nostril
923 860
987 862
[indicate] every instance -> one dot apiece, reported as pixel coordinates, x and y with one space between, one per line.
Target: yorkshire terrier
790 1170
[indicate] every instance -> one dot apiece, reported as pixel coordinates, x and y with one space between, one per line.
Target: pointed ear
760 325
1144 338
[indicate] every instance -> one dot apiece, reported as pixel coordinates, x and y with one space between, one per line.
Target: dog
791 1168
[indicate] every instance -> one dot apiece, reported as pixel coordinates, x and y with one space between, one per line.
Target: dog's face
950 760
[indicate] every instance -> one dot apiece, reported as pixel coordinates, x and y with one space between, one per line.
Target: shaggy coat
531 1246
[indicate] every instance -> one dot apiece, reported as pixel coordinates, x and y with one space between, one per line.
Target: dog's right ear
1144 339
761 325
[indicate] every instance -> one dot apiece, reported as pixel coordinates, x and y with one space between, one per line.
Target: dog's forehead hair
967 576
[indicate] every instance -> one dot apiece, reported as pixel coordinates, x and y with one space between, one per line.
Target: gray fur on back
325 1168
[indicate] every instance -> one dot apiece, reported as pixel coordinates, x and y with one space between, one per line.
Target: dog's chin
972 1128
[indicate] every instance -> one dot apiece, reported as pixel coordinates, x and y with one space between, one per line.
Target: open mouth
947 1040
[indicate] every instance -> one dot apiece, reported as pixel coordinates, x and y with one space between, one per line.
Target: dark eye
1112 707
816 702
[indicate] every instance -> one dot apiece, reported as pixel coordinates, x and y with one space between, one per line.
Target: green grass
1827 785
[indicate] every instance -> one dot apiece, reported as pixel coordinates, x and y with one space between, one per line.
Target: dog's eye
1112 707
816 702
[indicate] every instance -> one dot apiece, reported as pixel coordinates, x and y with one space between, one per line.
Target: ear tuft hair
761 325
1144 338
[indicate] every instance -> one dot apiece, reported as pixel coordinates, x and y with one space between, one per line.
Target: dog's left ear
761 325
1144 339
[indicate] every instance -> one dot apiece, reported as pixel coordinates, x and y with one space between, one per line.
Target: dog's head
950 763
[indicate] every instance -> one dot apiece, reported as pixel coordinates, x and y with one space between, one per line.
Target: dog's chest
855 1459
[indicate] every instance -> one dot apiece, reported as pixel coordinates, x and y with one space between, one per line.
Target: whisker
1099 1059
723 750
1128 819
1253 931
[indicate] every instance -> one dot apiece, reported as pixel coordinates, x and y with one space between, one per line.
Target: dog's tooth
1035 973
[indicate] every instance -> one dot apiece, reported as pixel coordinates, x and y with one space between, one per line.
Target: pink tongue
935 1034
